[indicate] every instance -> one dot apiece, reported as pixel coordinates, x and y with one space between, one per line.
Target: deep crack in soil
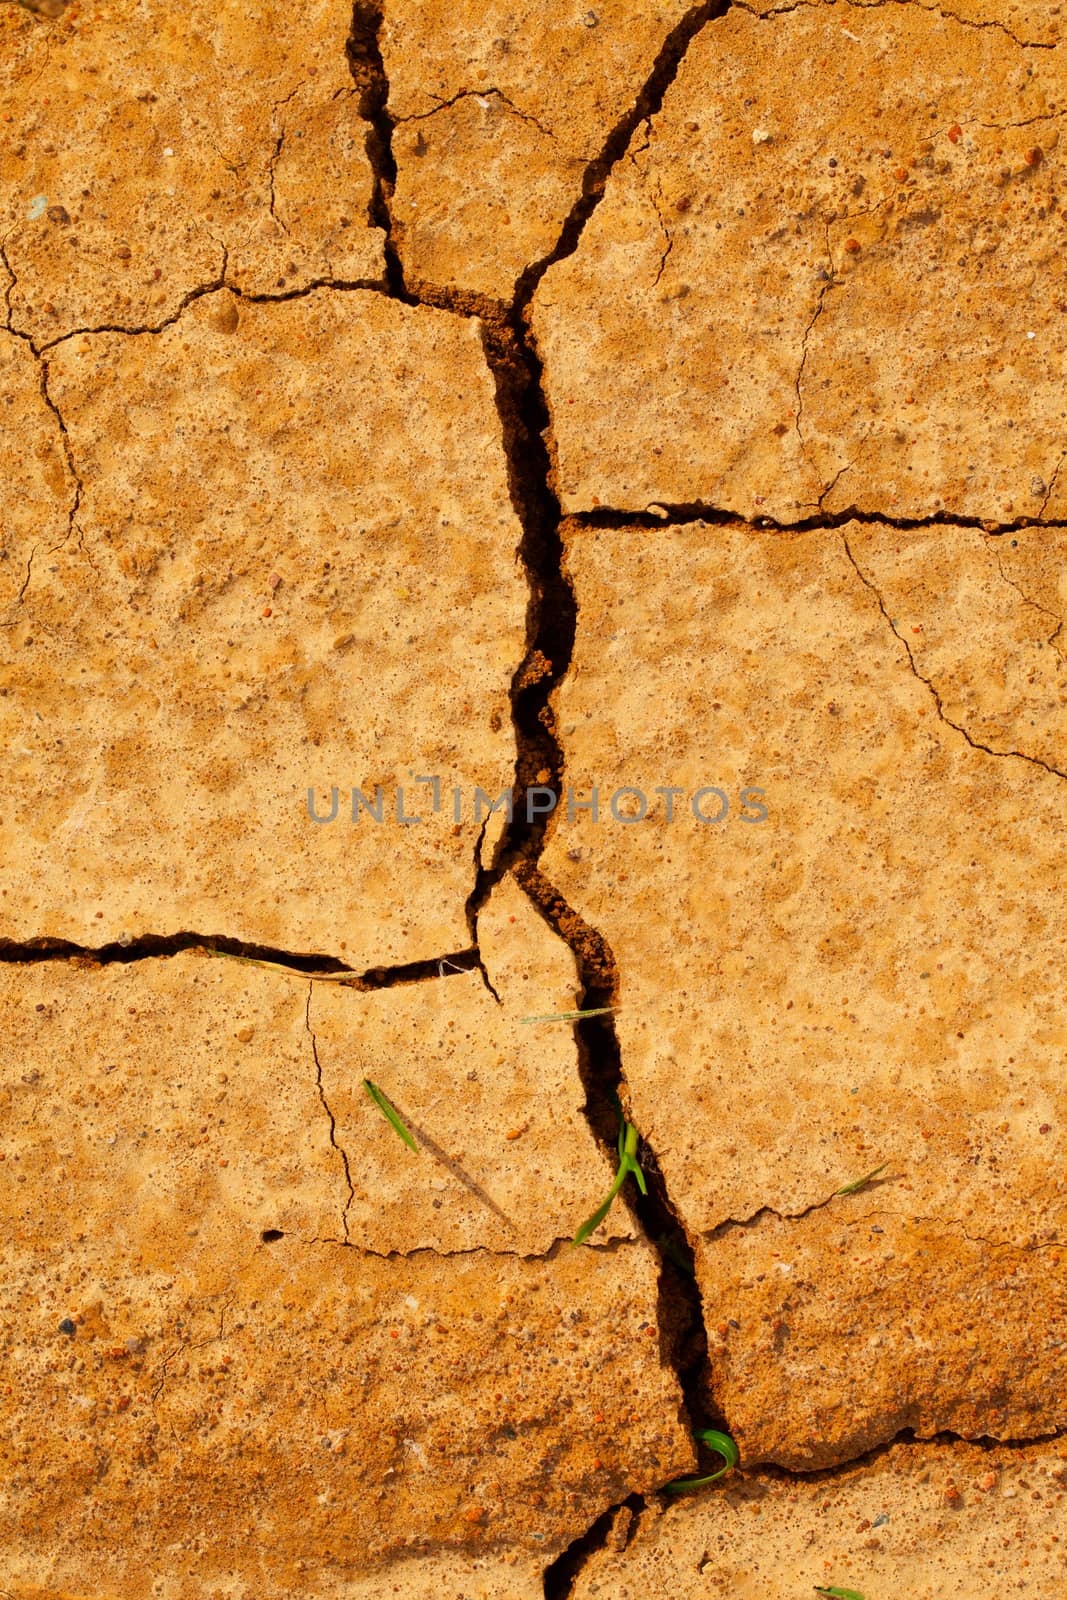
551 621
516 367
151 946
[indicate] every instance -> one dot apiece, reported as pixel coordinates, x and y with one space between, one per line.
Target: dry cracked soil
533 567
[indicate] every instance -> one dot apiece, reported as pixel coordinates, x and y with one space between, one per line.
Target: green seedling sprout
723 1446
569 1016
390 1113
854 1188
628 1163
838 1593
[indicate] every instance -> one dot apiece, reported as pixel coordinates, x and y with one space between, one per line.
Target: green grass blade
593 1223
569 1016
389 1113
838 1593
853 1189
287 972
724 1446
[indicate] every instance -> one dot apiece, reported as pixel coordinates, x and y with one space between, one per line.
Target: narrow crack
1051 485
905 1438
68 452
372 85
480 95
729 1223
320 968
877 5
955 1228
647 103
557 1248
1033 604
195 293
9 286
332 1119
271 165
975 744
677 514
551 621
829 282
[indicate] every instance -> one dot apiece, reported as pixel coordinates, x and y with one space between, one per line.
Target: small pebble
67 1327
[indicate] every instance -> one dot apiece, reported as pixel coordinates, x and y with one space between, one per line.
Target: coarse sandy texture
289 401
255 599
324 1413
985 631
506 1159
824 278
136 1131
867 976
225 1405
944 1522
150 148
499 110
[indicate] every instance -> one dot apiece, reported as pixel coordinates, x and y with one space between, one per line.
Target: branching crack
191 1344
594 179
481 95
1034 604
319 968
876 5
551 621
332 1119
976 744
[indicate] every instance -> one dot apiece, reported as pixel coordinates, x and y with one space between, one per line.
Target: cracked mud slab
37 483
145 148
823 277
506 1159
499 110
869 976
323 1413
291 564
936 1522
258 1405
